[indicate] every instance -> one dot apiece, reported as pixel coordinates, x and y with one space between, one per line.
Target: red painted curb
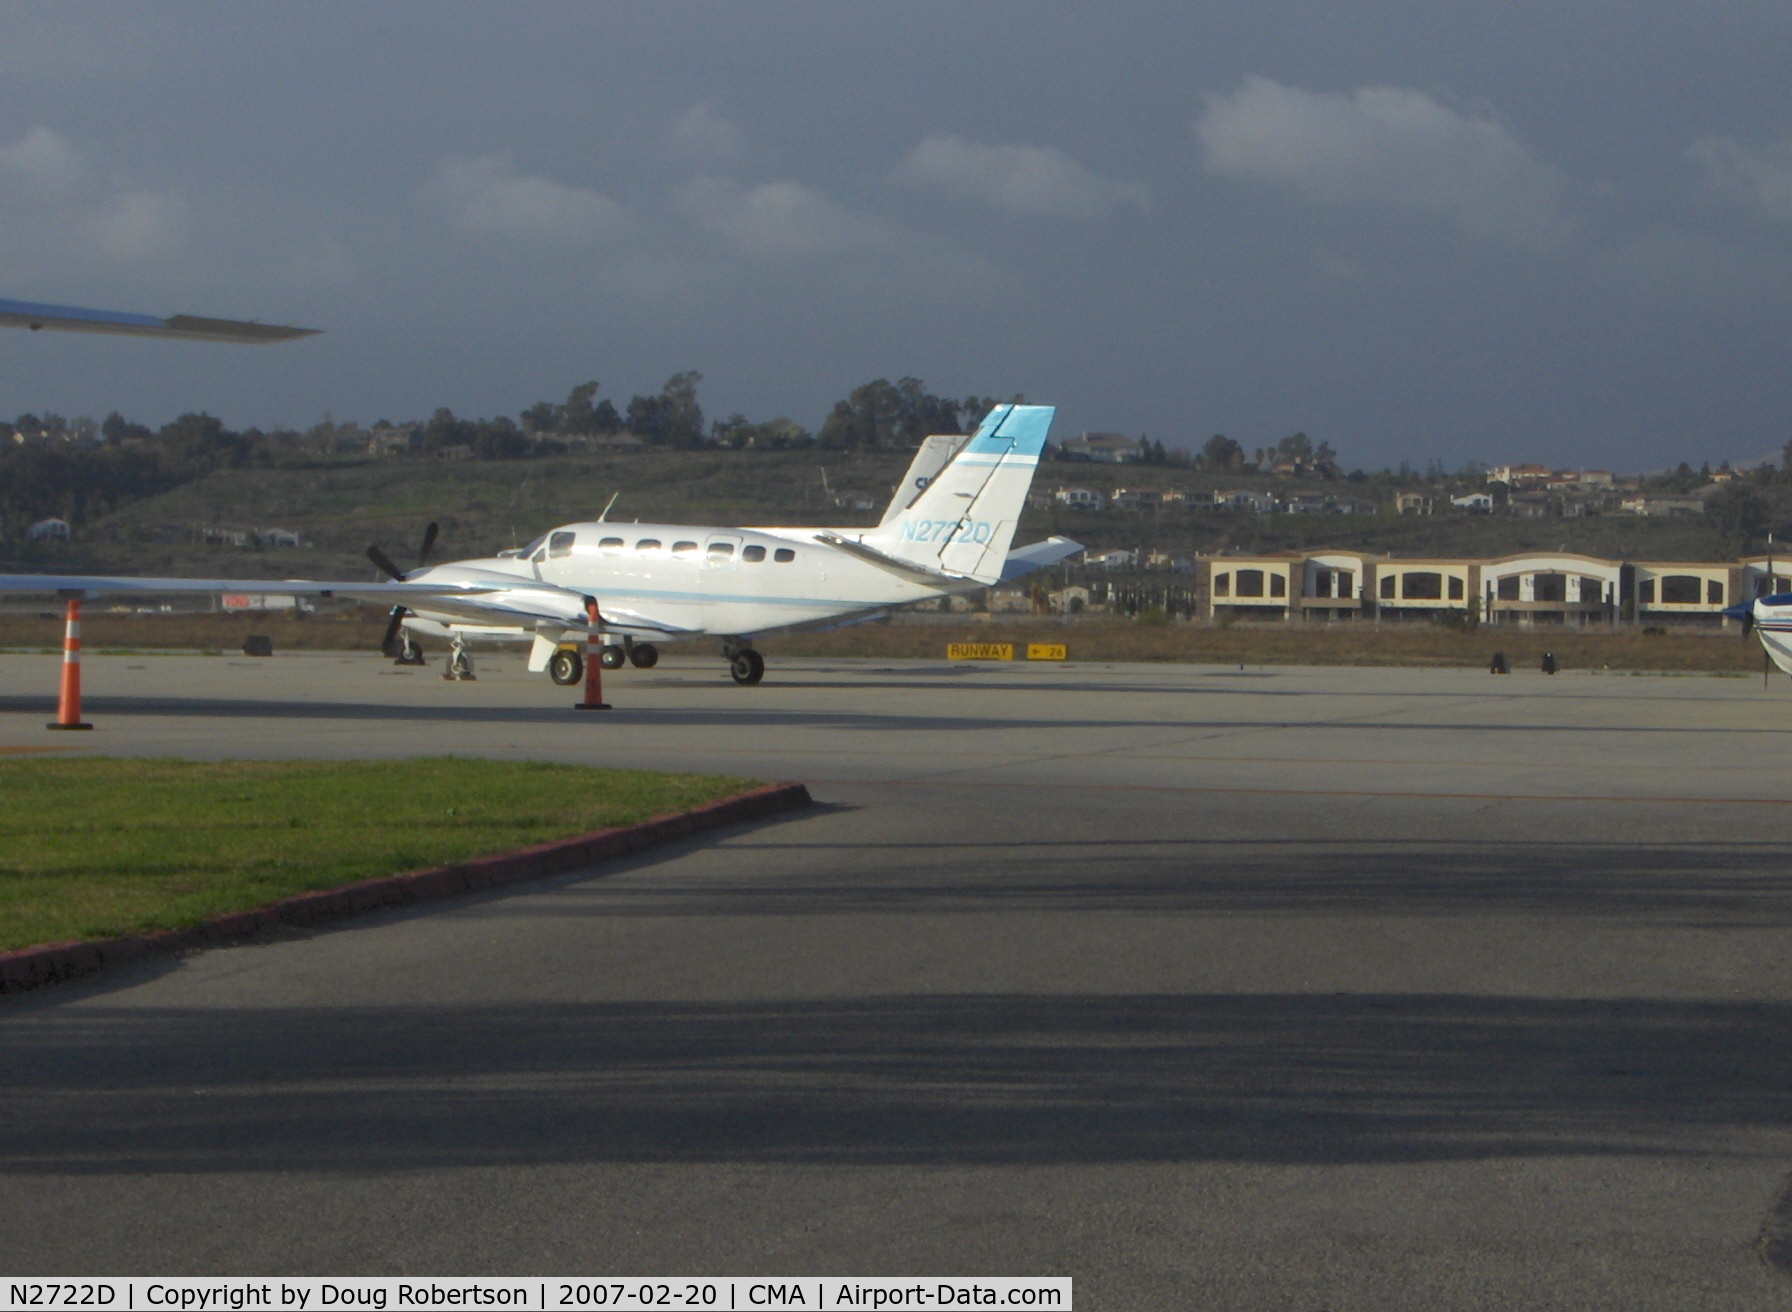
50 963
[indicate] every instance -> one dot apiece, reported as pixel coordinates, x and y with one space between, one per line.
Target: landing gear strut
745 665
460 662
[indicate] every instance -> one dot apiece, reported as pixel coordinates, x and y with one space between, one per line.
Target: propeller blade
429 540
384 563
389 645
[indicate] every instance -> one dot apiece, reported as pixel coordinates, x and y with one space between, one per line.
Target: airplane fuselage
694 580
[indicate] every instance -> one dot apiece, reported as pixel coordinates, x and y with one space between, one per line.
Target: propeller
389 645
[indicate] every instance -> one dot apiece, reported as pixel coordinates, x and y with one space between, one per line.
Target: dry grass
1356 644
1087 640
197 631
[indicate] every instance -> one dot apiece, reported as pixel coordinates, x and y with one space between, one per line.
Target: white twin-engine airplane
946 532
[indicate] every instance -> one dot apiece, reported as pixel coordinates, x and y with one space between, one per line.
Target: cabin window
683 548
721 550
752 553
648 544
610 544
783 555
560 544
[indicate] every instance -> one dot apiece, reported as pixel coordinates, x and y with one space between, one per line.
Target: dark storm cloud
1528 232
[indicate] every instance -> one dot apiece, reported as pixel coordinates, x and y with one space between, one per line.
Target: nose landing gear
460 662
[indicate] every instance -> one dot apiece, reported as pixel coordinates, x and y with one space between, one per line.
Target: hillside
486 505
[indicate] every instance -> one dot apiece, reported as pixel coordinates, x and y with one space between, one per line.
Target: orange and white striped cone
68 705
594 665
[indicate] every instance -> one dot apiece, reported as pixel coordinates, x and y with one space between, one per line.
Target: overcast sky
1525 231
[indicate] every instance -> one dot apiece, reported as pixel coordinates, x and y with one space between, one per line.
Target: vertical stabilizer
963 520
933 455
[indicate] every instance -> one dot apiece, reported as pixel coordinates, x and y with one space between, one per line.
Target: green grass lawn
97 847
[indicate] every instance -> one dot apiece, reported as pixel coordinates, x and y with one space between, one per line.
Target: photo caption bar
536 1293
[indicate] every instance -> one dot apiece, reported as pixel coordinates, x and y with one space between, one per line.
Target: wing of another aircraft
483 600
192 327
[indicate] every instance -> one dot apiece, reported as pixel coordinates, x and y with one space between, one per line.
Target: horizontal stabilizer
907 569
1037 555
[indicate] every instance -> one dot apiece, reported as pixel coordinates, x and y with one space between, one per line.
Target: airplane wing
482 599
193 327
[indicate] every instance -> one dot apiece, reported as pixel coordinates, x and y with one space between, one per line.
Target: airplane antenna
605 514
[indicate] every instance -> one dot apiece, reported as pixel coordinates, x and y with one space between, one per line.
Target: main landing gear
567 667
409 653
744 664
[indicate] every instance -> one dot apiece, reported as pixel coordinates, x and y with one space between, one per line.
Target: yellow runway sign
979 651
1046 651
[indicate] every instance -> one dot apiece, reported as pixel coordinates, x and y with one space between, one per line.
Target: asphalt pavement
1263 988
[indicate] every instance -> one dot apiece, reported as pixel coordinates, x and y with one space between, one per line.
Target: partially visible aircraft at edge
947 532
1770 618
192 327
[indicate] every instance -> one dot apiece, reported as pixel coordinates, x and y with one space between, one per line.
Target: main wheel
746 666
611 658
566 667
644 655
409 653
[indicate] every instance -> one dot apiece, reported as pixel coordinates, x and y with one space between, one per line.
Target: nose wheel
460 662
566 667
746 666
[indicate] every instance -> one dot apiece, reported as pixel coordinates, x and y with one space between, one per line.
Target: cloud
58 205
1020 179
700 134
137 226
1758 179
487 196
776 218
1388 146
42 165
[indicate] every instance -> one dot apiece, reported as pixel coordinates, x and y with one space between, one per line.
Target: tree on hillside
1740 513
673 418
195 444
882 415
1221 453
1299 449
